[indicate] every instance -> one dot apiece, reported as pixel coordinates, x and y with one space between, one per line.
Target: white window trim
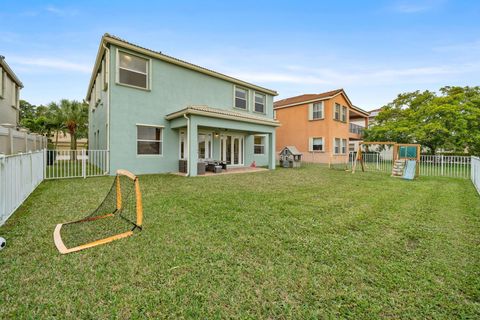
247 97
311 112
339 146
148 140
342 146
185 152
344 112
339 111
210 136
264 102
310 144
148 74
263 144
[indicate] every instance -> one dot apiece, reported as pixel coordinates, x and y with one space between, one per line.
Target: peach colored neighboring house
324 127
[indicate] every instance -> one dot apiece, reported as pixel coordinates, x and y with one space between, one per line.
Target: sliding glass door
231 150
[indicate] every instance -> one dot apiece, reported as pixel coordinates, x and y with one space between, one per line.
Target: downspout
107 53
188 144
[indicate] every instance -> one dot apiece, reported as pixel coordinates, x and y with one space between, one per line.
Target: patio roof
222 114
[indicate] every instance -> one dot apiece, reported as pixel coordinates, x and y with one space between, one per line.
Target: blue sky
373 49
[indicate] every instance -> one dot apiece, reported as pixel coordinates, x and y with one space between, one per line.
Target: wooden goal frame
57 238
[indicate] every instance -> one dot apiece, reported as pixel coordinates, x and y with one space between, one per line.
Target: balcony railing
355 128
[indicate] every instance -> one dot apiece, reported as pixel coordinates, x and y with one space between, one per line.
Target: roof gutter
12 74
221 116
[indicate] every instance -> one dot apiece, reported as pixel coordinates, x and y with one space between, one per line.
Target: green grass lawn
305 243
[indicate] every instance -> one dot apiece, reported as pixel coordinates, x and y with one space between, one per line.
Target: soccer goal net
117 216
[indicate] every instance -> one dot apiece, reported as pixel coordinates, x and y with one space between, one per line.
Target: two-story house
151 110
324 127
10 87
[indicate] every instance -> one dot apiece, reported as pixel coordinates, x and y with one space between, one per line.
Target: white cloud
50 63
299 75
62 12
416 6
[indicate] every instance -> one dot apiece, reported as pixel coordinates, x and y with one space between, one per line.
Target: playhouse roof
293 150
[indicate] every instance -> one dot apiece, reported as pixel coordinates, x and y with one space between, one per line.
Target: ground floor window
204 145
344 146
259 145
149 140
336 143
183 145
317 144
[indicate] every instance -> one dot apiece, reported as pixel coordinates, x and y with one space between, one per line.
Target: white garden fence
75 163
19 175
475 173
430 165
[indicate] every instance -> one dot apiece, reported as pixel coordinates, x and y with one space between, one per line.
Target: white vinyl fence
75 163
19 176
430 165
475 173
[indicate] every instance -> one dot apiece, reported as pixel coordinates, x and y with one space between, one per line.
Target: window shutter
310 111
323 110
310 144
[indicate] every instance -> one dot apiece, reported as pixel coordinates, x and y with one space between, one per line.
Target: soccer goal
117 217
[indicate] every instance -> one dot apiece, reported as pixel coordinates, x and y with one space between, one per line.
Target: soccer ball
3 243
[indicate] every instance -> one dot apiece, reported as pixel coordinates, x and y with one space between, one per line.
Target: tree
27 110
74 115
56 119
450 120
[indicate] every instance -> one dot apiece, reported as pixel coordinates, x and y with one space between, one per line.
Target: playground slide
409 172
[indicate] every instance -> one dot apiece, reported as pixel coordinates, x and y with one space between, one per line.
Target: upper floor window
259 102
344 114
149 140
317 111
241 98
133 70
336 114
317 144
259 145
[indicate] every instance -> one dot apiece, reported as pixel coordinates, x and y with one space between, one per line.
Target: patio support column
193 147
271 151
248 150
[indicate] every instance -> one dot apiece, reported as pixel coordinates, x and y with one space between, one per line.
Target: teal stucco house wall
151 110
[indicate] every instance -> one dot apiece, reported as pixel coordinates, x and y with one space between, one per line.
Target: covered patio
236 139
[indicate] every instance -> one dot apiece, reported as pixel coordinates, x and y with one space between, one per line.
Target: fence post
84 172
45 163
441 165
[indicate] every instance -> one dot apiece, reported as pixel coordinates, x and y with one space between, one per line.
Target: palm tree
74 115
56 121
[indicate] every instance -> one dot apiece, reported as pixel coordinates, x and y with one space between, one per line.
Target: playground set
401 159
